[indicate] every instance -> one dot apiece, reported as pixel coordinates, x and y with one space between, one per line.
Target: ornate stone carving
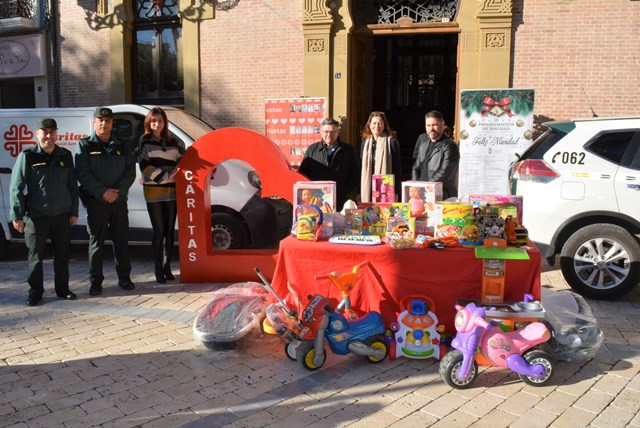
316 45
316 11
495 40
495 7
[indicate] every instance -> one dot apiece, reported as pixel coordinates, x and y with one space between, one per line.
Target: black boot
167 271
160 276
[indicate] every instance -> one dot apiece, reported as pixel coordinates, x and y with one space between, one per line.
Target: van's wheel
601 261
4 244
227 232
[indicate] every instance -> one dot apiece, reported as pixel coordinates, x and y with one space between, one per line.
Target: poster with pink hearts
294 124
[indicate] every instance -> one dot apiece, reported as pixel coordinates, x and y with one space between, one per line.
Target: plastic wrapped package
231 313
576 334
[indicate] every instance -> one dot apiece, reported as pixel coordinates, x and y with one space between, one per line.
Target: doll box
320 193
505 203
421 197
382 188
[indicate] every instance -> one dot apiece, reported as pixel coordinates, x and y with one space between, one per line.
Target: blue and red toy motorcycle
362 336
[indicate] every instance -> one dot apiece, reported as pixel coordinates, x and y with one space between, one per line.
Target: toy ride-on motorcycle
514 349
362 336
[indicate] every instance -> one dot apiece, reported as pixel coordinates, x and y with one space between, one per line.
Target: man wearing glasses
332 159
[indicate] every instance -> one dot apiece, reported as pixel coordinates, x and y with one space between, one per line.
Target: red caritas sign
198 261
293 124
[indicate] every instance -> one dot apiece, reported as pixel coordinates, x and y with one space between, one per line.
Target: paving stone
130 359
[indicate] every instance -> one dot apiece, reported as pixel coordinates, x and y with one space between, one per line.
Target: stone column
494 20
316 24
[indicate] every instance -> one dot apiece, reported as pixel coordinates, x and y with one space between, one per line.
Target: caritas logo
18 137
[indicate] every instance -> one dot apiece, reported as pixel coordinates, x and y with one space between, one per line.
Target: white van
240 218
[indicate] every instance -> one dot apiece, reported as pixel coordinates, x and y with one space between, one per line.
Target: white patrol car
240 218
581 186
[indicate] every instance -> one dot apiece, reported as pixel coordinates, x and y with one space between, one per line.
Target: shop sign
21 56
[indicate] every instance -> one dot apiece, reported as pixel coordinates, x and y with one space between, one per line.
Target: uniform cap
104 112
47 123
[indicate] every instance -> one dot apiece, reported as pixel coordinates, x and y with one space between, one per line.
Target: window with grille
158 73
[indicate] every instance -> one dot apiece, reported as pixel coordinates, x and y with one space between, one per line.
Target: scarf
382 164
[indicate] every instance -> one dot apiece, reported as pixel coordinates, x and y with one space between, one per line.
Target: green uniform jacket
51 184
101 166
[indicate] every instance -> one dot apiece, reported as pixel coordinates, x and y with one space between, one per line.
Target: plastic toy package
576 334
231 313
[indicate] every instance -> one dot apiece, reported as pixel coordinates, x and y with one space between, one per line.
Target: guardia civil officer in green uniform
106 170
48 209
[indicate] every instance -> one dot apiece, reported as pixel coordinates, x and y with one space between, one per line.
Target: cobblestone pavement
129 359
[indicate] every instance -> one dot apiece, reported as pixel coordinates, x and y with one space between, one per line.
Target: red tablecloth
441 275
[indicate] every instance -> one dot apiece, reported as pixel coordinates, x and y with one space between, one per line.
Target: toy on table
416 202
450 218
356 239
373 221
470 236
308 224
353 222
382 188
505 204
320 193
417 332
399 234
516 233
515 350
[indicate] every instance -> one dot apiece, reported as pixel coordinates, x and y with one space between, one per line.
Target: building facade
219 59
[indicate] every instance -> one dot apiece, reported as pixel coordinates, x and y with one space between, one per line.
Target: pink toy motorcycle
514 349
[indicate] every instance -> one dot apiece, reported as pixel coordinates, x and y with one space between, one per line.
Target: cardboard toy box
376 216
450 218
422 197
382 188
423 227
507 204
353 222
319 193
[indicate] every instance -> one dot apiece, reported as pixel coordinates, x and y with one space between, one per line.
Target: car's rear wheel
227 232
601 261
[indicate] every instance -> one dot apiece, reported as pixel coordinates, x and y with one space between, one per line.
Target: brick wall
252 52
572 50
85 73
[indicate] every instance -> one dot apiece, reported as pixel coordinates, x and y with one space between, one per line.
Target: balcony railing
18 9
20 16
